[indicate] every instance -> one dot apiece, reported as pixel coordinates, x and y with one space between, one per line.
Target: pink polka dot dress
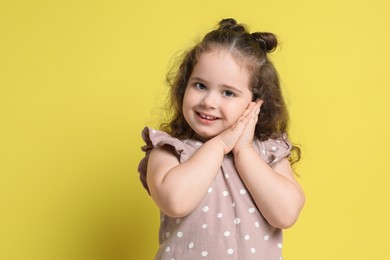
226 224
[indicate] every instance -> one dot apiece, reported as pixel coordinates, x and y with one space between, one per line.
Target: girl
220 172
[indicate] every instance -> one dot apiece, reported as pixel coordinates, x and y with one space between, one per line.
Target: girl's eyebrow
223 85
198 79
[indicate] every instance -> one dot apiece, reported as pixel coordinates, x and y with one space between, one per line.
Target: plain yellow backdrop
80 79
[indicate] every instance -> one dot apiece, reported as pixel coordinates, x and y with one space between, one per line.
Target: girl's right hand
230 136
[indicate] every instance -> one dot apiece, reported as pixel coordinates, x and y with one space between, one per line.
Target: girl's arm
275 191
177 188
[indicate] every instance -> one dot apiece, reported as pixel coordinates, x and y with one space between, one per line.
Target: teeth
207 117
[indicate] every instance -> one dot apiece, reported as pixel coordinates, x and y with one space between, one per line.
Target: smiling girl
219 170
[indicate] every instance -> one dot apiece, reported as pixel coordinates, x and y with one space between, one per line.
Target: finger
241 122
249 113
248 109
255 117
254 114
259 103
257 108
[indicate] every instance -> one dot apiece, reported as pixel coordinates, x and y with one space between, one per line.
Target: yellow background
80 79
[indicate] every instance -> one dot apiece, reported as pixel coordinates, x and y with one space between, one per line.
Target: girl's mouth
207 117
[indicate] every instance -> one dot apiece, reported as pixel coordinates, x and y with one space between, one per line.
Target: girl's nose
210 100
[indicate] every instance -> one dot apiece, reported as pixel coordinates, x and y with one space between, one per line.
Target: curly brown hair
250 49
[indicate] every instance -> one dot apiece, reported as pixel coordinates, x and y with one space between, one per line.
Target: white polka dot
263 151
226 176
204 253
280 258
205 208
242 191
204 226
273 148
230 251
237 221
225 193
266 237
179 234
226 234
253 250
168 234
167 249
251 210
219 215
280 245
162 219
191 245
210 190
153 131
178 220
198 143
233 205
246 237
257 224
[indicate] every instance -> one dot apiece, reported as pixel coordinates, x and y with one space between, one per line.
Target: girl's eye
200 86
228 93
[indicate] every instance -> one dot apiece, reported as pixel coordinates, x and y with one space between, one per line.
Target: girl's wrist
224 145
242 149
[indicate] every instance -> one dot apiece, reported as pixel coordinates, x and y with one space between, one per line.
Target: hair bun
266 40
231 24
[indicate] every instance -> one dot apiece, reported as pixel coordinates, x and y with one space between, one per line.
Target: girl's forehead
242 60
221 58
220 51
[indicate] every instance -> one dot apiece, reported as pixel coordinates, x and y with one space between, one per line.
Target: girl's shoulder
273 150
182 149
154 138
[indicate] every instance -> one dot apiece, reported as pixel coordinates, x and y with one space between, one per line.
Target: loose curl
249 49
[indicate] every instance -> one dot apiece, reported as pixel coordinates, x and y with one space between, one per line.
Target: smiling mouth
207 117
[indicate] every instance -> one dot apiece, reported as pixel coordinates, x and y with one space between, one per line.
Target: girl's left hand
246 139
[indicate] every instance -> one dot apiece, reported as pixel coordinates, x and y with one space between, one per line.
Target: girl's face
217 93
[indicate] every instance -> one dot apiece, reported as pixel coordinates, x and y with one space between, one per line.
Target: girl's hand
232 135
246 138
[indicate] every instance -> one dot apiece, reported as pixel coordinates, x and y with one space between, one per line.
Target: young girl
220 172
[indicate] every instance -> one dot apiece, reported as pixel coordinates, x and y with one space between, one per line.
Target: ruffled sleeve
154 138
274 150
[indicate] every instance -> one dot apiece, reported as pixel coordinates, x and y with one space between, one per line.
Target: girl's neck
199 138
